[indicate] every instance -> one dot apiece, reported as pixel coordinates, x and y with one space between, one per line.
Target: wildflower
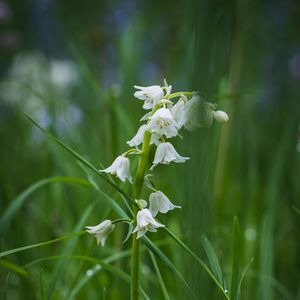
166 153
221 116
101 231
191 113
162 122
178 112
138 138
150 94
121 168
159 202
145 222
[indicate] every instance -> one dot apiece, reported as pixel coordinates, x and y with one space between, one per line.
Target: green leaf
105 265
13 267
167 262
201 263
242 277
20 249
81 159
159 277
212 257
16 204
235 259
69 247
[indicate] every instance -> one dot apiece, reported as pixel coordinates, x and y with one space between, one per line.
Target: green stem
178 94
138 187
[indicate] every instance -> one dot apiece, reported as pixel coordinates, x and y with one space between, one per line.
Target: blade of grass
235 259
151 246
239 296
18 201
159 277
42 288
201 263
81 159
13 267
59 268
212 257
20 249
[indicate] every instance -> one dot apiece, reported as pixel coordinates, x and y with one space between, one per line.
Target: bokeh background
71 65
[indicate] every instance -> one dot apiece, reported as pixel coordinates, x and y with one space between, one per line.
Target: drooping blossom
163 123
145 222
149 94
166 153
159 202
101 231
121 168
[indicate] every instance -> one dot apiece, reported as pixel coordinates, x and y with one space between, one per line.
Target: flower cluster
163 122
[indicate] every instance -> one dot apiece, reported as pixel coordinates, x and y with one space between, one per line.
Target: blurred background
71 65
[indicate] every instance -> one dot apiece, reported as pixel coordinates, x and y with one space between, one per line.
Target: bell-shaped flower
159 202
166 153
145 222
138 138
162 122
150 94
221 116
101 231
121 168
192 113
178 112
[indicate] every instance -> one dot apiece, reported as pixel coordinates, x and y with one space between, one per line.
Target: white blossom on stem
145 222
166 153
178 112
121 168
101 231
150 94
159 202
138 138
162 122
192 113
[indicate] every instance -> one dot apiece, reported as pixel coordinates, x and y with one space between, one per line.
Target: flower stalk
162 123
138 187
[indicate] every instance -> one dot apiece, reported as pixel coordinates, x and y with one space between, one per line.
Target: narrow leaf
13 267
20 249
235 259
212 257
201 263
159 277
80 158
16 204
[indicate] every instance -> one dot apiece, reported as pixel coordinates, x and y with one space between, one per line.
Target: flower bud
221 116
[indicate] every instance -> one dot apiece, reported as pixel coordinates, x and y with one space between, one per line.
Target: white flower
221 116
192 113
138 138
162 122
159 202
101 231
178 112
166 153
120 167
145 222
150 94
